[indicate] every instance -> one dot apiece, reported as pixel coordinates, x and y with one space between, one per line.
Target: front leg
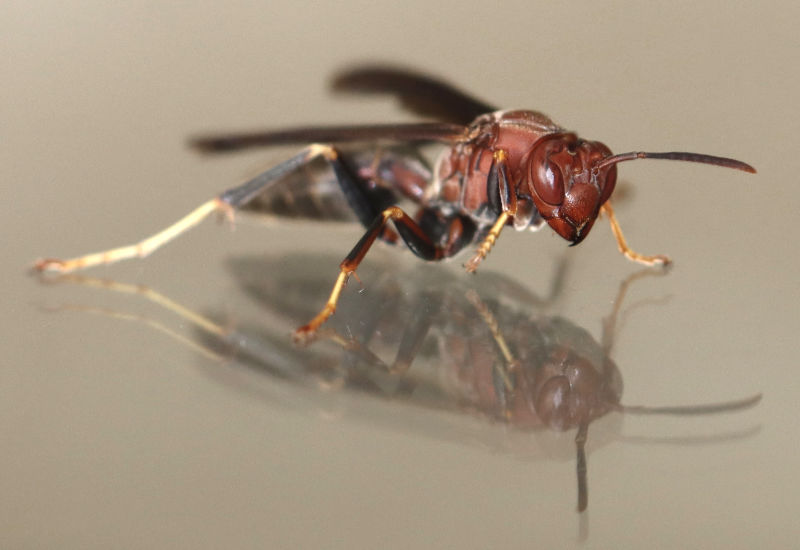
658 259
499 179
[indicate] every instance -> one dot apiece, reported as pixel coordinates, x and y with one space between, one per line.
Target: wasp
499 168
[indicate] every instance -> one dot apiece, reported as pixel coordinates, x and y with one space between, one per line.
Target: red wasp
501 168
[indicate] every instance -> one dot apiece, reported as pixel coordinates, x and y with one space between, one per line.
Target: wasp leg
487 243
138 250
413 235
658 259
500 180
366 201
226 203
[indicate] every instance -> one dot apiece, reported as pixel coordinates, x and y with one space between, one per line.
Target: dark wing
433 131
421 94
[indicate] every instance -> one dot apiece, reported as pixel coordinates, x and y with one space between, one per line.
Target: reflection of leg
158 299
610 323
226 203
580 444
415 329
501 372
426 309
411 233
658 259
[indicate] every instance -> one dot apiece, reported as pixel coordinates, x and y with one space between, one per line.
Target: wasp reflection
485 346
481 346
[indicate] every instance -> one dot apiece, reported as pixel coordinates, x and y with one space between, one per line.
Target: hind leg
226 203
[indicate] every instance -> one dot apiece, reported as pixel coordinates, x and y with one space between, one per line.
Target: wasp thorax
567 191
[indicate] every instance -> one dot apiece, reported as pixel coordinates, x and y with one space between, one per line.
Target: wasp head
567 188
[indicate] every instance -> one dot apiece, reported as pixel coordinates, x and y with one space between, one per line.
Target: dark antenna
687 157
712 408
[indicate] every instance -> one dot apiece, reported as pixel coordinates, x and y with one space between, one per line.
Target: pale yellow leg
227 202
488 243
658 259
140 249
305 334
500 158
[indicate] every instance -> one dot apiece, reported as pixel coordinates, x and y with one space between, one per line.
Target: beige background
115 435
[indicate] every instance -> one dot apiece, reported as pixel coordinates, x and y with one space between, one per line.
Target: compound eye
548 182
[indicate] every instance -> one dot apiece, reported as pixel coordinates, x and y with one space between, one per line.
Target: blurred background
115 434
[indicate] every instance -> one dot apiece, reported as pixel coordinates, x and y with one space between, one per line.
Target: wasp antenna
687 157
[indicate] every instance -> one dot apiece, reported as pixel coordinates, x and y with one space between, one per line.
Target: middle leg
416 238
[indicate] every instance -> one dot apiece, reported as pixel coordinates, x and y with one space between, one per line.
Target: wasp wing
419 93
430 131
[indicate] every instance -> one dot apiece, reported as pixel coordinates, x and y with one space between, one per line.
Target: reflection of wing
421 94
